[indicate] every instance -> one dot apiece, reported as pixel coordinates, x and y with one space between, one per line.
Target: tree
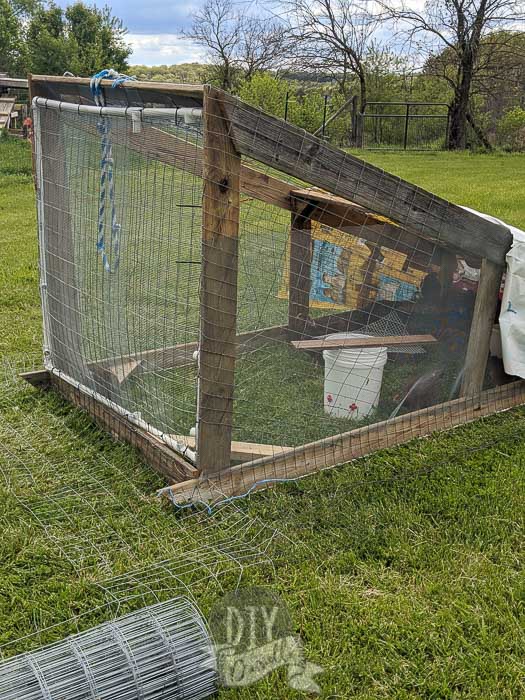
498 83
460 27
98 39
11 41
238 45
80 39
334 36
49 50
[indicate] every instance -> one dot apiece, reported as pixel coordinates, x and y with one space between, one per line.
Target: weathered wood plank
245 451
177 88
300 272
481 328
292 150
218 306
378 342
14 83
340 449
182 354
133 93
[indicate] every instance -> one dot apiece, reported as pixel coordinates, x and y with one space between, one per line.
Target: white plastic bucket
352 378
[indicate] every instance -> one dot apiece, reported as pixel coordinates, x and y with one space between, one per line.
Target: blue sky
153 27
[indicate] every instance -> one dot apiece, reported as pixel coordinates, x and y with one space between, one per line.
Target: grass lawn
403 572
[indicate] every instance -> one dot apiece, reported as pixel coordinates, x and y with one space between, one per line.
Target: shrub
266 92
511 129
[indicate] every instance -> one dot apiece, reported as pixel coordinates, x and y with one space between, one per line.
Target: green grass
403 572
486 182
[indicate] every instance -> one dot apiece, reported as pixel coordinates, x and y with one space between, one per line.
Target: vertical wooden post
447 267
367 285
481 328
300 269
218 297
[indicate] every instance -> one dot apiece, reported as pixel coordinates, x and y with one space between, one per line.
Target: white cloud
156 49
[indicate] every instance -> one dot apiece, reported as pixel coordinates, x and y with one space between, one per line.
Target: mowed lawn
403 572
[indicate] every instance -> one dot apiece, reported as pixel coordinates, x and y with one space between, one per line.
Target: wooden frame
218 307
356 198
340 449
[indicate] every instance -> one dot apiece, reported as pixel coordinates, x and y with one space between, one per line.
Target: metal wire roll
163 651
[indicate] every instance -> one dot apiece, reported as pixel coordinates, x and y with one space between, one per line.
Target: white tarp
512 316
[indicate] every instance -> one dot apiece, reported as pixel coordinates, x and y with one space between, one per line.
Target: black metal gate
405 125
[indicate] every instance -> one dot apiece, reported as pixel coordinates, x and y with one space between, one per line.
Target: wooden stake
300 267
218 306
481 328
447 268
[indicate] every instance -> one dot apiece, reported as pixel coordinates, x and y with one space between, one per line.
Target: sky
153 27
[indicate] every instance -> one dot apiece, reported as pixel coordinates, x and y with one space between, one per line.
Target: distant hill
200 73
180 73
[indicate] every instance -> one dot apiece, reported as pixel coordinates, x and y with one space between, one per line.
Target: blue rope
107 186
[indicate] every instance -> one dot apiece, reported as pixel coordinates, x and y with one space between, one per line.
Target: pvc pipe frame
130 112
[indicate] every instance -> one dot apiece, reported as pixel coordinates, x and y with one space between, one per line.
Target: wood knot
224 185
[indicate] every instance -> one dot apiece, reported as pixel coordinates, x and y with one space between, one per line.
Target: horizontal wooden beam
292 150
244 451
182 354
154 452
336 212
134 93
376 342
340 449
176 88
19 83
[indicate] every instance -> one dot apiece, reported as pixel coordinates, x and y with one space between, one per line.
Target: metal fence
405 125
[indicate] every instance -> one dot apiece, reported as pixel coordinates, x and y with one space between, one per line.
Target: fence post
353 123
407 116
286 99
325 109
481 327
218 297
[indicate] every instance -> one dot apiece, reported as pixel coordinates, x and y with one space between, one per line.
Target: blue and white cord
107 186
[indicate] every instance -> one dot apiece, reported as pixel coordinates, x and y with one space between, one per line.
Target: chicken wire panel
161 651
120 256
307 265
286 396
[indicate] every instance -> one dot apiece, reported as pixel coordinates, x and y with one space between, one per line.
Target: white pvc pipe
37 135
179 447
117 111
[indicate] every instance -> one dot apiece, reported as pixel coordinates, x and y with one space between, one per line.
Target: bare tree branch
453 33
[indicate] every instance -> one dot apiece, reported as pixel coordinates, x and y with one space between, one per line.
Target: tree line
47 39
470 50
468 53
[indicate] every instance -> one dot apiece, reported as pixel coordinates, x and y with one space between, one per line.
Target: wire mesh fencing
420 126
161 651
250 295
